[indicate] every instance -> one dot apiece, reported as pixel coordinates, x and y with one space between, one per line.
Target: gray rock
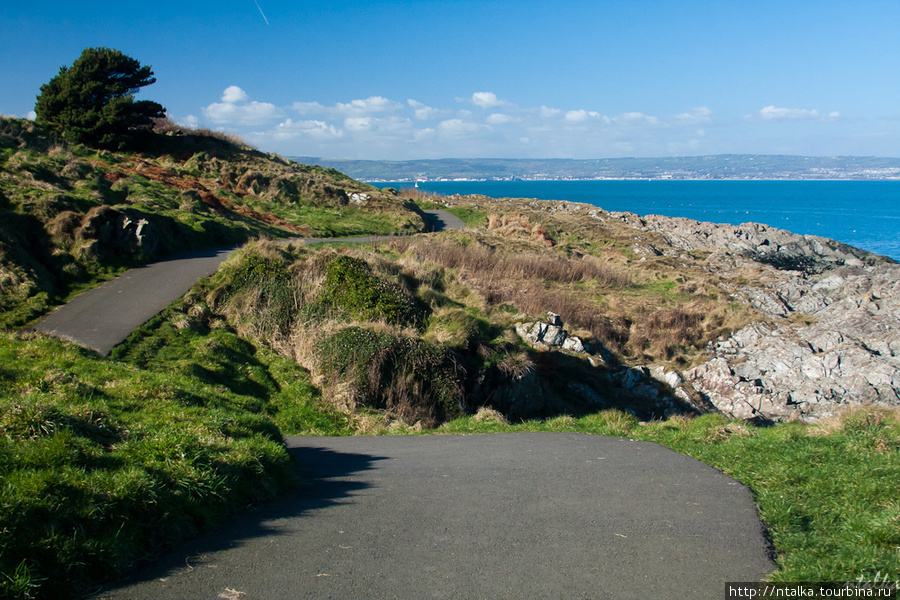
848 353
573 344
550 336
586 393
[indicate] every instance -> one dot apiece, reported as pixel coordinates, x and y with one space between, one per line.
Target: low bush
350 285
408 378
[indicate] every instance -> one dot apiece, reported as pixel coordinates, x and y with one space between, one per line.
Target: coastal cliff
538 315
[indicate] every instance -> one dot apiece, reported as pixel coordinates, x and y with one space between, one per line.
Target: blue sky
435 79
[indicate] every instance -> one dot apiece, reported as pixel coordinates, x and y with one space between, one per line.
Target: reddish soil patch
208 196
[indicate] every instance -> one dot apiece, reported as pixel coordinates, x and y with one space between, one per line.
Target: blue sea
865 214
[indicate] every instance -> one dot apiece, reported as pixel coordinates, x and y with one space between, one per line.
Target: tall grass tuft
408 378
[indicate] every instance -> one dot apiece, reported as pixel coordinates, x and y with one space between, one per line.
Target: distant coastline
864 214
724 167
553 179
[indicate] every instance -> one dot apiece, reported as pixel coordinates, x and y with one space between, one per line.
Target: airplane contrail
261 12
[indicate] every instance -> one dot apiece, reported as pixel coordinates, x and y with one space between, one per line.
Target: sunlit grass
107 461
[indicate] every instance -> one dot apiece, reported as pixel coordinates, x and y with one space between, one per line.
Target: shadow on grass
324 480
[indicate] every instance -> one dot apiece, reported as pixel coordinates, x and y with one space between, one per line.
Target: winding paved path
103 317
523 515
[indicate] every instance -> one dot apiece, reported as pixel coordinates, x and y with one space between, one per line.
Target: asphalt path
103 317
521 515
524 515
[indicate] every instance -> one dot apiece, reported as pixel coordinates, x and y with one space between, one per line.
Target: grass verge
107 462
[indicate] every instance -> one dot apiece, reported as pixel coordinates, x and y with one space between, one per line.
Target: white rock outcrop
550 335
833 334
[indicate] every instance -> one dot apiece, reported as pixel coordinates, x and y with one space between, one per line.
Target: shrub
350 285
265 291
407 377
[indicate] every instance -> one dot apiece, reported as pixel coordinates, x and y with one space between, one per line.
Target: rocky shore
832 333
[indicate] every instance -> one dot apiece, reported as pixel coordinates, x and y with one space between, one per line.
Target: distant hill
723 166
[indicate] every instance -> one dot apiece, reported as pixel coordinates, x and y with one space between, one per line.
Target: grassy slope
827 491
105 462
189 411
59 204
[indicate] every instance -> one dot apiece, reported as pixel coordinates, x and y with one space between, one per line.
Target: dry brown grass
516 365
665 331
733 429
483 261
168 127
531 280
860 416
628 308
486 414
519 225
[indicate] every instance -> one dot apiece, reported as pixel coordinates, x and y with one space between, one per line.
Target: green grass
828 494
664 288
343 221
351 286
470 216
248 376
104 462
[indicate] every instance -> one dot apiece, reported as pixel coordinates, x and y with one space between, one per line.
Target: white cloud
485 125
369 106
456 128
501 119
236 110
317 130
581 115
549 113
424 135
773 113
694 115
635 118
487 100
309 108
233 95
358 123
391 127
424 112
365 107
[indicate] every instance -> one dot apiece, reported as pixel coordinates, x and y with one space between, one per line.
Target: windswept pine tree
92 102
